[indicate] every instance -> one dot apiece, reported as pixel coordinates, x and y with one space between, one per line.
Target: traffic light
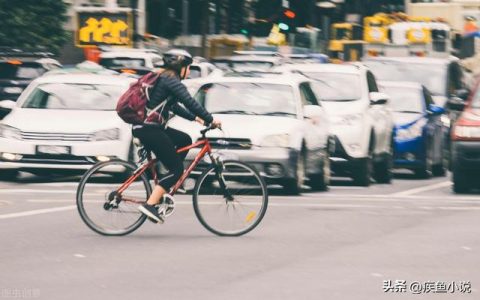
286 21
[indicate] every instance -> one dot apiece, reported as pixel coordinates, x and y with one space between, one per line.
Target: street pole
205 19
133 5
185 17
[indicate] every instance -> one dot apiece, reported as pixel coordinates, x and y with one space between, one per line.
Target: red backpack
131 106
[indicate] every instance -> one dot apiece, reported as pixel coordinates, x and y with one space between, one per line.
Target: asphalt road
348 243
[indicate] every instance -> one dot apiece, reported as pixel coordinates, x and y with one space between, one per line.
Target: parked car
133 61
360 119
201 69
418 129
19 68
272 122
466 144
64 122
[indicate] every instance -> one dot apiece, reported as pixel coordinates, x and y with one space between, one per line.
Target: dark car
418 134
18 69
466 144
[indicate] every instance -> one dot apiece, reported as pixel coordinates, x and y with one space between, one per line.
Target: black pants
164 142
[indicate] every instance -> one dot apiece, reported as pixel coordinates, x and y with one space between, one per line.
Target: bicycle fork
221 179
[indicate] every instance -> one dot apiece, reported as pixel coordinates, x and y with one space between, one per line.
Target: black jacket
171 89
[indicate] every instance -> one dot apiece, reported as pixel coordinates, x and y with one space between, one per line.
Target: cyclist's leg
180 139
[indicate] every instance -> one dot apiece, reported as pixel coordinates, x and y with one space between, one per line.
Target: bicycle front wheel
230 199
104 209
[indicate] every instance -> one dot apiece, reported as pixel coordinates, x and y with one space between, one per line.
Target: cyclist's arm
182 112
179 91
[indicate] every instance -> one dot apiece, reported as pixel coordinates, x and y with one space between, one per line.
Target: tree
33 24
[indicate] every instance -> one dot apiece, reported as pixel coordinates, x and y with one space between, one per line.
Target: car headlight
276 140
414 131
346 120
9 132
106 135
467 131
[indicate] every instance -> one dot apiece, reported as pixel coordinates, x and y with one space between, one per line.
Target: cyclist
162 140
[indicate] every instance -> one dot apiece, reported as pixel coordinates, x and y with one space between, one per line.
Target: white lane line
422 189
36 191
37 212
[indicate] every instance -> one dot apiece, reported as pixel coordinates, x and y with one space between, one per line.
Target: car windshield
248 98
18 70
432 76
122 62
404 99
70 96
330 86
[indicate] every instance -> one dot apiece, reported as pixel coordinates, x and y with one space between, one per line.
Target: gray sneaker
151 212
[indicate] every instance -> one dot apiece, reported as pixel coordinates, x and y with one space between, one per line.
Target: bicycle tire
264 201
80 199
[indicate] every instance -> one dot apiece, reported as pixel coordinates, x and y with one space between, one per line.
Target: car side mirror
7 105
312 111
462 94
435 110
377 98
456 103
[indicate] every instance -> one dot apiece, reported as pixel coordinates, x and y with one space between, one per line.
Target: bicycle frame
206 149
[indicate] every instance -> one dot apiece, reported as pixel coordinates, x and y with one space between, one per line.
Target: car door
382 119
435 130
316 133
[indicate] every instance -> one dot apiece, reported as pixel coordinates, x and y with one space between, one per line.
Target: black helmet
176 59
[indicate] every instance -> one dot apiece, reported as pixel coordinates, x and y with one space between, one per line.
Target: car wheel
320 182
294 186
461 181
362 175
439 170
425 171
8 175
383 170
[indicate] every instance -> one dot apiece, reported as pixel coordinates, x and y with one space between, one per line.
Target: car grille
67 137
230 143
58 159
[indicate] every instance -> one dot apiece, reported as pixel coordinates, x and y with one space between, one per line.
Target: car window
432 76
195 72
428 97
122 62
331 86
74 96
455 78
372 84
307 95
15 69
248 98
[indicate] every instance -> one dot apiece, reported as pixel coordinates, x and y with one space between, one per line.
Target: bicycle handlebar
208 128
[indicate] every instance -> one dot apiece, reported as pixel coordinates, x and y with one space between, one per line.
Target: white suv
360 119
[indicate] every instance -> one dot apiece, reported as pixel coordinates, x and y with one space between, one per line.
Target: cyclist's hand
199 121
217 124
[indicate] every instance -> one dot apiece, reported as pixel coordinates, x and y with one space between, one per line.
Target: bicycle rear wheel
230 200
102 208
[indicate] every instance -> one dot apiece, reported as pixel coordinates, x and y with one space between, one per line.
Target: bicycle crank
166 206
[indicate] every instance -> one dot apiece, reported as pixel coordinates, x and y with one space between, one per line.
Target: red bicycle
230 197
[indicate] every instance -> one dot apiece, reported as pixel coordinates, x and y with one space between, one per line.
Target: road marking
37 212
422 189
